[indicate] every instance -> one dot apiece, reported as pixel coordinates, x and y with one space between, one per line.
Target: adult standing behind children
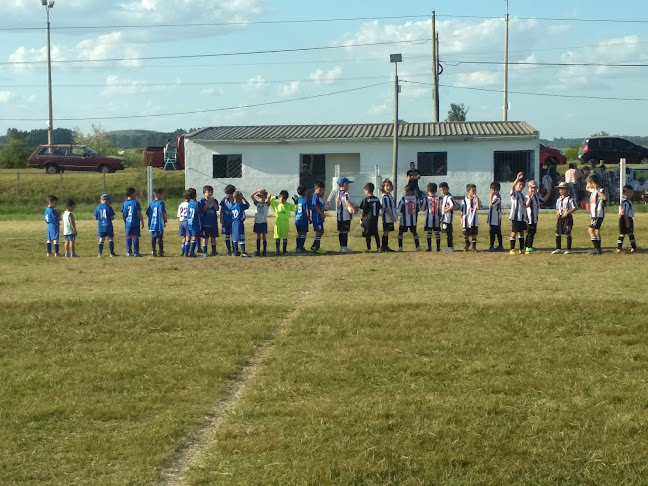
413 177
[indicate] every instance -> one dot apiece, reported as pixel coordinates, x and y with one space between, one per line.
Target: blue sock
136 245
265 246
278 242
192 248
298 242
153 244
161 243
258 246
56 248
111 246
213 248
100 248
228 243
129 245
183 247
236 247
49 247
285 245
242 247
205 248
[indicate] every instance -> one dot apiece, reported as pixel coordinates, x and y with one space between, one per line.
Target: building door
316 165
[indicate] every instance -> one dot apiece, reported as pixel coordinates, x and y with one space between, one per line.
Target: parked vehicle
611 150
57 158
154 156
551 156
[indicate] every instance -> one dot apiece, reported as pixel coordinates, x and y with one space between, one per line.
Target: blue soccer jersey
104 215
317 202
226 211
209 216
129 209
155 214
193 215
238 211
301 214
51 218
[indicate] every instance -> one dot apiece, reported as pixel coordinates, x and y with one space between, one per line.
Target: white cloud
290 88
321 76
257 82
378 109
213 91
6 96
477 79
116 85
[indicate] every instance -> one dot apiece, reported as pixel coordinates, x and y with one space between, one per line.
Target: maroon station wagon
57 158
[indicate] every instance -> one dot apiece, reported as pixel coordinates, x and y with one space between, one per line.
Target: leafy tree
457 113
98 139
601 134
15 151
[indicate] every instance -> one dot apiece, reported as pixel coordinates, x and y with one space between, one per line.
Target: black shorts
626 229
472 231
344 226
446 228
532 227
432 228
388 226
564 226
595 223
405 229
518 226
370 227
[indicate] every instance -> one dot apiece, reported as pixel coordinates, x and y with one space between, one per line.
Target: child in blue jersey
104 215
52 218
209 221
302 219
194 211
494 219
318 216
261 200
238 224
133 221
183 227
408 207
157 221
226 216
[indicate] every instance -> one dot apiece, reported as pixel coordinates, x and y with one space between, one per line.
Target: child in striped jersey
533 201
518 213
370 207
388 213
494 219
626 223
408 207
565 207
318 216
447 211
597 212
432 216
345 211
469 218
183 226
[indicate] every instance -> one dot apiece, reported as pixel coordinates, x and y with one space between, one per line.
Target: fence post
149 183
104 182
62 190
18 186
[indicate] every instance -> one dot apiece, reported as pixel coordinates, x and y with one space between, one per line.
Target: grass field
408 369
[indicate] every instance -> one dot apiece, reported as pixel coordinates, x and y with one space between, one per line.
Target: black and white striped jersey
408 207
597 209
626 208
533 209
469 215
447 202
388 203
518 206
564 204
495 211
432 212
343 213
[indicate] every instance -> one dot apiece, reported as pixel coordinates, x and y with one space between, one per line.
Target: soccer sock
558 242
56 248
204 248
285 245
192 248
492 237
258 246
242 247
438 240
449 240
265 246
183 247
129 245
317 242
228 243
569 242
236 247
213 248
521 238
467 242
278 244
385 241
377 241
111 247
400 240
100 247
298 242
154 244
416 240
499 236
512 240
474 243
161 244
136 245
633 243
597 243
429 240
593 239
368 238
620 242
530 237
49 247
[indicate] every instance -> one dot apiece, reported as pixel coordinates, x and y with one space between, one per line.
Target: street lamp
49 4
395 58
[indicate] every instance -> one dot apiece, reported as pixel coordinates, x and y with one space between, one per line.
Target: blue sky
111 93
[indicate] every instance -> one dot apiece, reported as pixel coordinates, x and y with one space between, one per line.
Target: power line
195 112
223 54
565 64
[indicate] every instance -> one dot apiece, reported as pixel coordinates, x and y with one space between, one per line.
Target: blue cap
343 180
105 196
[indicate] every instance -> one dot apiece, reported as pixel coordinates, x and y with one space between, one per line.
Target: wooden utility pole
435 68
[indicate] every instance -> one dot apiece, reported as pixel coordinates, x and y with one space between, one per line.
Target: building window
432 163
508 164
227 166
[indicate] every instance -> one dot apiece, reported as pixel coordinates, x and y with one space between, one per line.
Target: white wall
275 165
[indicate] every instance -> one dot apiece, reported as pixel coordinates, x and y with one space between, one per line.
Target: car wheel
52 169
105 169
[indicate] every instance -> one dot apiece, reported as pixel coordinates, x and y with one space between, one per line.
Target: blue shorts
209 232
261 228
157 234
193 233
318 227
106 234
70 237
227 229
52 233
238 232
132 231
183 228
302 228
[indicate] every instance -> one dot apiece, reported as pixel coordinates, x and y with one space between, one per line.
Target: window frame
433 162
231 171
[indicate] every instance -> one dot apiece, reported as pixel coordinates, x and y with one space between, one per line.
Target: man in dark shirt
413 176
306 180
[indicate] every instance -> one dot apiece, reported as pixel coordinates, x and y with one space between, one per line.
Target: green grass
525 369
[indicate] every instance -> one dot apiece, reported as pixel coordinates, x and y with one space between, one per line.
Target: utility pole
506 60
395 58
435 69
49 4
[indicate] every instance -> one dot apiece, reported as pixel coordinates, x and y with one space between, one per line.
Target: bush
572 154
15 152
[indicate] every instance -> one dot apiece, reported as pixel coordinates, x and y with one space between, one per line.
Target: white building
252 157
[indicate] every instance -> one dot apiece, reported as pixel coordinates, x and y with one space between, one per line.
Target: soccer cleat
386 250
277 253
557 251
567 252
450 249
618 250
400 248
593 252
522 252
346 249
429 250
467 247
492 250
530 249
161 254
368 250
512 252
258 253
205 255
153 254
320 251
137 255
633 250
474 250
237 253
214 253
245 255
264 254
500 249
128 254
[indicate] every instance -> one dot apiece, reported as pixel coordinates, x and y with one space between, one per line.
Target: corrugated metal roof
366 131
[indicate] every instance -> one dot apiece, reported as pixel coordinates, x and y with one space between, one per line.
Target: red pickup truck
154 156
